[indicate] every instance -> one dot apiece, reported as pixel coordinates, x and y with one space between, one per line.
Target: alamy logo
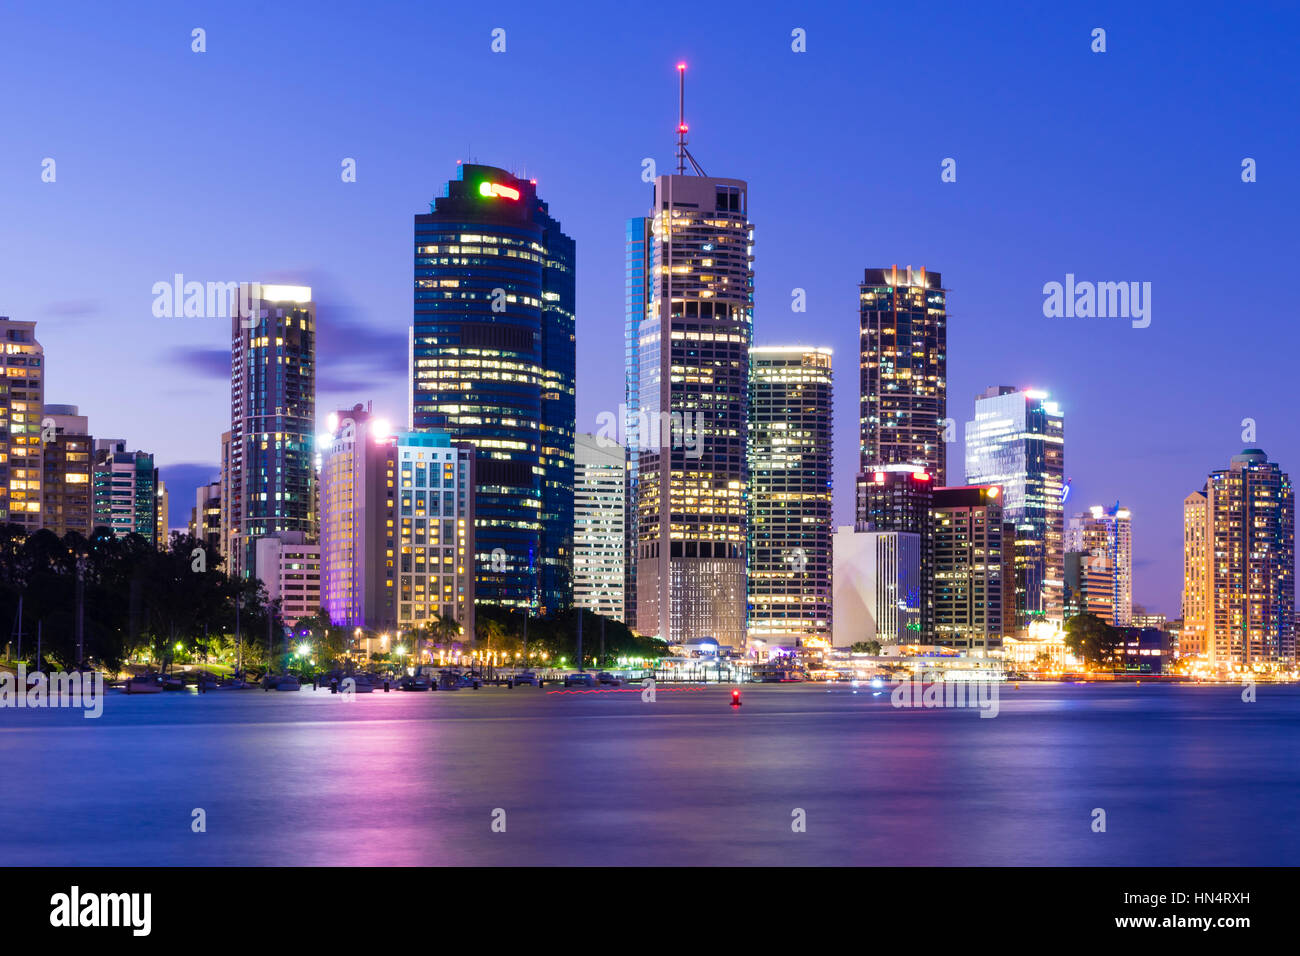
650 432
208 300
928 691
1102 300
59 689
72 909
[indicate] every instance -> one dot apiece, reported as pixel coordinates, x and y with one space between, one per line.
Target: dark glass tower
492 362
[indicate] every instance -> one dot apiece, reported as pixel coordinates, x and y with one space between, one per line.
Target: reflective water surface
1185 775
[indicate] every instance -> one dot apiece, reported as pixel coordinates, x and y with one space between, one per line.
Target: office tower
599 525
125 490
162 534
397 525
68 451
22 401
268 469
877 587
898 497
693 397
638 293
358 494
436 527
1104 537
1251 513
967 568
789 494
205 516
289 568
1017 441
492 363
1198 583
904 398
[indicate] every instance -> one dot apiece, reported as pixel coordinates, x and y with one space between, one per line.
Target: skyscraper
22 401
789 493
493 363
205 516
125 489
1017 441
68 450
638 293
1104 537
268 475
904 367
898 498
599 520
1198 583
693 370
1250 538
966 560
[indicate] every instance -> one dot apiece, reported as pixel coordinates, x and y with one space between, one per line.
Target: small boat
287 682
173 683
414 683
361 684
148 684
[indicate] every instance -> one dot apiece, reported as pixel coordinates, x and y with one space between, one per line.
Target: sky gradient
1122 166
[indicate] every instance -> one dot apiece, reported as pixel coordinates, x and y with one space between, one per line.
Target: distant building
22 401
68 452
125 489
599 518
268 468
1017 441
289 568
789 494
205 516
898 497
1248 561
161 513
1105 539
877 587
904 367
1198 582
967 568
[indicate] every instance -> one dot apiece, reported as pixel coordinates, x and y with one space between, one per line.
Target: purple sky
1122 166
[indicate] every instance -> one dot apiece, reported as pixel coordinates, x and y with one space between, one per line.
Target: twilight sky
1118 166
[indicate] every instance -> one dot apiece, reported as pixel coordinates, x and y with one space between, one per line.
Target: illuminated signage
496 189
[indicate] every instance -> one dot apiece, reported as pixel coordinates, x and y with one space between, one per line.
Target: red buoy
735 698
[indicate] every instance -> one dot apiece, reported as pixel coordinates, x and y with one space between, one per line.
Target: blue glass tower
493 362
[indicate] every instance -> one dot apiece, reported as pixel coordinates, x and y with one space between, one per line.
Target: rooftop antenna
683 154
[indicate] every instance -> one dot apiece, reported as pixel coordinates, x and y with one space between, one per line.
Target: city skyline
1119 386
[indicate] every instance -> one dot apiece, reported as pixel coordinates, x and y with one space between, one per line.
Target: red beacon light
735 698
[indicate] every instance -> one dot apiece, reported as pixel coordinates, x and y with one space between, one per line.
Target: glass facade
1017 441
22 402
492 364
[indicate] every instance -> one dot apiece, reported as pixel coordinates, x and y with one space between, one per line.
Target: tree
1092 640
866 647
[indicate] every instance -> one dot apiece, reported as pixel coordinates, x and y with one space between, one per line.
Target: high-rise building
693 385
22 401
436 525
789 494
904 366
1017 442
205 516
967 568
599 519
358 495
162 512
1198 581
877 587
638 293
289 568
397 525
1104 538
898 497
125 490
1250 509
492 363
268 477
68 450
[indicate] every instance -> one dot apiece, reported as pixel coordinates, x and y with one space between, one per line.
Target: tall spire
683 154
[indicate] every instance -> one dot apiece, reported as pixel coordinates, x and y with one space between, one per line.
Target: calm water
1186 775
